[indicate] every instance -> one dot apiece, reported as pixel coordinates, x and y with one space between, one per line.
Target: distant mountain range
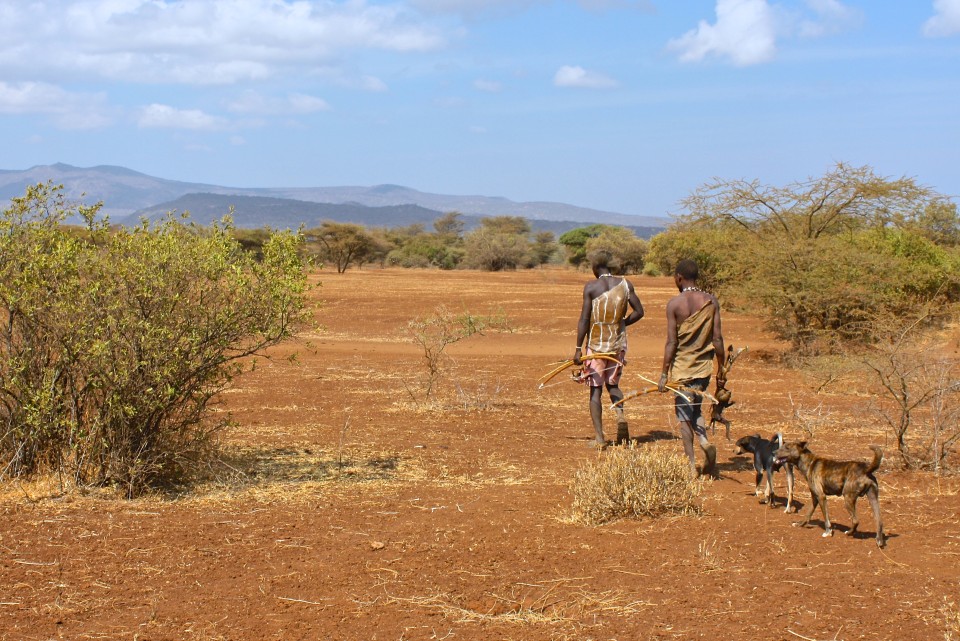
129 195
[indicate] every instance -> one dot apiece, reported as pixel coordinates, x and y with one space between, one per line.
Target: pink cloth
599 372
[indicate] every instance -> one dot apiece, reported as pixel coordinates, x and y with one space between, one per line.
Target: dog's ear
802 445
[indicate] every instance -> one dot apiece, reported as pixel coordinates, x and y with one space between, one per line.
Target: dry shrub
633 482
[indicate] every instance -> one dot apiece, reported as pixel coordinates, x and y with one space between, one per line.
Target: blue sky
621 105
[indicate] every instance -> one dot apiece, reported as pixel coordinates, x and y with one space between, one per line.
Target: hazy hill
283 213
124 192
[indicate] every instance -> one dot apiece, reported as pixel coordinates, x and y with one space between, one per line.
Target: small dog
850 479
764 462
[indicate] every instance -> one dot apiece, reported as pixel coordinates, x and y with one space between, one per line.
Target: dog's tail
778 438
877 457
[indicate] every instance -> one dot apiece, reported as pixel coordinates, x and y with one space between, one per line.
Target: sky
619 105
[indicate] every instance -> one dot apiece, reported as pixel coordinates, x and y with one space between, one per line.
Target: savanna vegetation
114 343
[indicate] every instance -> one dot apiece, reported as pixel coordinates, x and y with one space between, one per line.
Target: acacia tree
342 243
815 256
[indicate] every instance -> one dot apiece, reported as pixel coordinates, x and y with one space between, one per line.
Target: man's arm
637 308
670 349
584 323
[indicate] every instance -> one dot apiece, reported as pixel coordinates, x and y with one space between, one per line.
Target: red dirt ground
347 511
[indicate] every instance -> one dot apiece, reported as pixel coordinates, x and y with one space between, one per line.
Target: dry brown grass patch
632 482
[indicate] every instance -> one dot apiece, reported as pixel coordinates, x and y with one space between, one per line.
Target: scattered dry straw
633 482
951 620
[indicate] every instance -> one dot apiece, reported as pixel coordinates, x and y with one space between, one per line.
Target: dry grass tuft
632 482
951 620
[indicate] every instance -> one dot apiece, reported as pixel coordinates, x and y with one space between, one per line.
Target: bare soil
345 508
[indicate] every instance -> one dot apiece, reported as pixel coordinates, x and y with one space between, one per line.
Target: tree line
499 243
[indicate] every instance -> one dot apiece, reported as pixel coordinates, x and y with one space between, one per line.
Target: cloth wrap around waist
695 351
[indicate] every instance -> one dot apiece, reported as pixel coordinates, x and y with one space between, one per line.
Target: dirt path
368 516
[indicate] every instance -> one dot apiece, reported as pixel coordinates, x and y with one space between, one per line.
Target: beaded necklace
692 288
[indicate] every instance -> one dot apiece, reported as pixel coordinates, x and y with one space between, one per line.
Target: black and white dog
764 462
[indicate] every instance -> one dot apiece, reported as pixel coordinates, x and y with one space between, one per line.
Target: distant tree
575 242
517 225
252 240
381 244
415 247
499 243
544 247
628 251
450 226
342 244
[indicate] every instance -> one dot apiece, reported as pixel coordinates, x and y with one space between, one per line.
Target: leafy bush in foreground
112 348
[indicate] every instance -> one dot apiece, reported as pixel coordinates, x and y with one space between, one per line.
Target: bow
677 388
604 356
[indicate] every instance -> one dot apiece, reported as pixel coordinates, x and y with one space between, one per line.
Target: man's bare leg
686 436
623 430
596 414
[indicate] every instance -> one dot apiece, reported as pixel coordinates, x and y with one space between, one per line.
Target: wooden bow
677 388
604 356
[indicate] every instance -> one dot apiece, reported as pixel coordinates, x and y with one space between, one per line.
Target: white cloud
945 21
251 102
832 16
495 7
68 110
210 42
575 76
745 32
165 116
491 86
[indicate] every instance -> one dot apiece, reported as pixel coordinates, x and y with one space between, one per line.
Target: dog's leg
850 502
827 527
873 495
758 477
789 488
810 509
768 492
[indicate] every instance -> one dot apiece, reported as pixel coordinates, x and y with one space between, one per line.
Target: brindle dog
850 479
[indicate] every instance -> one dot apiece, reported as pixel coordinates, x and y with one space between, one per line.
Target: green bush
112 351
